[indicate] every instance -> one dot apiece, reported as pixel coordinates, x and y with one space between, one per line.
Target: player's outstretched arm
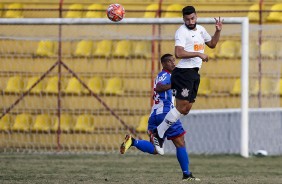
215 37
183 54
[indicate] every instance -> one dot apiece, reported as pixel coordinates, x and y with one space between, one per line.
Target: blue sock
144 146
183 159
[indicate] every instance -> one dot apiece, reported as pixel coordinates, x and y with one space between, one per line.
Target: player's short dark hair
187 10
165 57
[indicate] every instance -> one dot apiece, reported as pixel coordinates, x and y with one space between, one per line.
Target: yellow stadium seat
15 84
1 11
84 123
275 16
23 122
43 122
84 48
229 49
123 49
143 124
91 13
38 88
75 11
52 85
268 49
74 86
174 10
278 87
104 48
151 11
6 123
142 49
254 16
114 86
95 84
266 87
46 49
204 88
12 12
66 123
236 89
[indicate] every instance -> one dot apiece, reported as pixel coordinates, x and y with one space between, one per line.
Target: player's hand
204 57
218 24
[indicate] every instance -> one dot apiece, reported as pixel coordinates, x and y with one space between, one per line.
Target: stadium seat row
269 86
118 86
68 123
113 86
228 49
151 11
83 48
274 16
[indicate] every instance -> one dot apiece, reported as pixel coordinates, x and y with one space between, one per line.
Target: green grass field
115 168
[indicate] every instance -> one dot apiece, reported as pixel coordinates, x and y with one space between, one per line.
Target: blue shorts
174 131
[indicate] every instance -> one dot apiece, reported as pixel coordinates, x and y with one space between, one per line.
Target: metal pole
59 78
245 89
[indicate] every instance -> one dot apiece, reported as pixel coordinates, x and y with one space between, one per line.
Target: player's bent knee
184 110
179 141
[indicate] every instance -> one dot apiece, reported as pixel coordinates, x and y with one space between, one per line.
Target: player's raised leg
172 116
142 145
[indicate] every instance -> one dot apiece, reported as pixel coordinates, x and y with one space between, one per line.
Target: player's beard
191 28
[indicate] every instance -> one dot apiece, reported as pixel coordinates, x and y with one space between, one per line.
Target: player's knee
179 142
184 107
184 110
180 145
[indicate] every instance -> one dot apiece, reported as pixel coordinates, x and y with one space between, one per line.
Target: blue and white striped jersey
162 100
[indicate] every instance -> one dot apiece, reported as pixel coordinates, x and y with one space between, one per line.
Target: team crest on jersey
185 92
202 34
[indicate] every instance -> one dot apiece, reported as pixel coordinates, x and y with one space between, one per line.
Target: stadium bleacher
118 70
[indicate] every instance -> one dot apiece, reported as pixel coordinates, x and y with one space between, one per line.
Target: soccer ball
115 12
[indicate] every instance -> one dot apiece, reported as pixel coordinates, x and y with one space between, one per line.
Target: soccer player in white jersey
190 41
162 104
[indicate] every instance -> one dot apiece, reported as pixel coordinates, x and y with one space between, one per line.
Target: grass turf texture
115 168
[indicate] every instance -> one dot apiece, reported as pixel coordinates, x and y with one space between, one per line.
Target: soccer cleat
189 177
126 144
158 142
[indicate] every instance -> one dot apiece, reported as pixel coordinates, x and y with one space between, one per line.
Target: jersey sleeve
163 79
166 80
179 38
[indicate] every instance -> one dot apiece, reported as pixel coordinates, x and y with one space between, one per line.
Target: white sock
172 116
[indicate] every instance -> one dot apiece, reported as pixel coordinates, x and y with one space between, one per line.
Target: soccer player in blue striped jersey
163 103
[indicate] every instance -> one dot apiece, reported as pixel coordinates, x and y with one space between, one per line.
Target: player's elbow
212 46
178 52
177 55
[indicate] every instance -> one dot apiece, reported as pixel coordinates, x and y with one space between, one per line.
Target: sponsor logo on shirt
198 47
